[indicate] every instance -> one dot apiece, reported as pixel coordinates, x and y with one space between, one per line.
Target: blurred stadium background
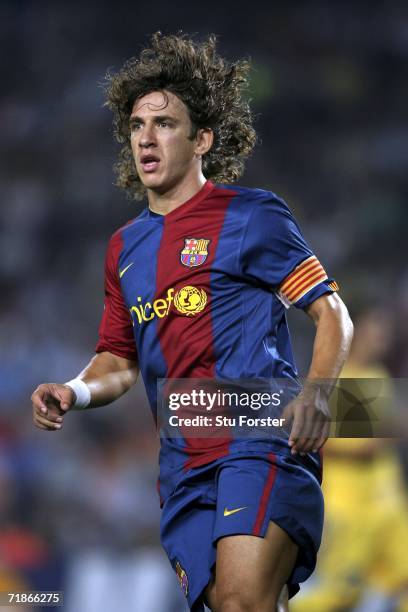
78 509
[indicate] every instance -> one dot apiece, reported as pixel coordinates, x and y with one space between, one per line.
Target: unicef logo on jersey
188 301
195 252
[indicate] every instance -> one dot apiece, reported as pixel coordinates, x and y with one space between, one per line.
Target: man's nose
147 136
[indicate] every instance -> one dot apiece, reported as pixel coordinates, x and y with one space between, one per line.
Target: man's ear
204 140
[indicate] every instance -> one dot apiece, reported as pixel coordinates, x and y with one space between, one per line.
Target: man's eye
163 124
135 126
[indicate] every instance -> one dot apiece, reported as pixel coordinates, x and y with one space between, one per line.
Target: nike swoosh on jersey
228 512
121 272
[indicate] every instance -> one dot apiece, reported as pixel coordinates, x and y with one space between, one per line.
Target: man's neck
163 203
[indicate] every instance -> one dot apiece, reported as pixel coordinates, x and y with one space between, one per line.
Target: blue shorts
239 494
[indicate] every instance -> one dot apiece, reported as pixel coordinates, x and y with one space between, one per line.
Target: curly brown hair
212 89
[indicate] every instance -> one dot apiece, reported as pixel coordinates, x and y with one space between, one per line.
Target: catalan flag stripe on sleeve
303 278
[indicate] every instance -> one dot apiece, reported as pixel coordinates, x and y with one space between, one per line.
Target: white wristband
82 392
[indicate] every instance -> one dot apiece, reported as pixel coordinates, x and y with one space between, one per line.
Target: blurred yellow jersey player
365 541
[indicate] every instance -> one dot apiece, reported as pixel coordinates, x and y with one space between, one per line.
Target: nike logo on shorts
229 512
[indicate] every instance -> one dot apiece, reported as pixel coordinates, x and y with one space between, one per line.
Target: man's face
160 134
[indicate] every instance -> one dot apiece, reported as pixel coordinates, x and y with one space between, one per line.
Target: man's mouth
149 163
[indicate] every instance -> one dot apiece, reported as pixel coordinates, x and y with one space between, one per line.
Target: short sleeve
116 329
274 253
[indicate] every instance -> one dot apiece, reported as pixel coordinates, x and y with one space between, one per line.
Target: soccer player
196 287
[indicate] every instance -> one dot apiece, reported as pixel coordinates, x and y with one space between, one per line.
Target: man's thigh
264 506
252 571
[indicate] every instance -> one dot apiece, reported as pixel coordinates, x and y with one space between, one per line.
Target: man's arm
309 411
107 377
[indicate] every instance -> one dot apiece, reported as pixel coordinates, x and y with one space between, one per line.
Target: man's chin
150 179
154 183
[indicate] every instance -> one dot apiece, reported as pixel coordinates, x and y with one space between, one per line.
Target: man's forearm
332 341
309 412
108 377
104 379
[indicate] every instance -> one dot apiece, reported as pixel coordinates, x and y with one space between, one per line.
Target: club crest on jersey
182 576
195 252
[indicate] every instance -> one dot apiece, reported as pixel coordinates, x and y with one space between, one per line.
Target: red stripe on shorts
270 481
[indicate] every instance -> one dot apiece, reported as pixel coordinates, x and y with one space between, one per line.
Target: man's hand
107 376
310 417
50 403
